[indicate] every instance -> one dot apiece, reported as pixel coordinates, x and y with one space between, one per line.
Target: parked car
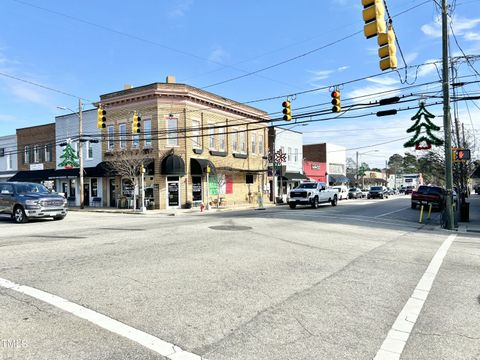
426 195
342 192
355 193
377 192
409 189
312 193
24 201
365 192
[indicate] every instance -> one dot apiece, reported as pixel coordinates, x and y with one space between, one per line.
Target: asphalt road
325 283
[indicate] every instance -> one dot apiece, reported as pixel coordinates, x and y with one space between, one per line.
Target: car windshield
30 188
307 186
376 188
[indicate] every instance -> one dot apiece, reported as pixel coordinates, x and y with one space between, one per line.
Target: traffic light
136 125
388 50
374 17
287 110
336 101
460 154
101 118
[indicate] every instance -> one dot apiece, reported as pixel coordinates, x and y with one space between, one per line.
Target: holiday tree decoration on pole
69 156
423 141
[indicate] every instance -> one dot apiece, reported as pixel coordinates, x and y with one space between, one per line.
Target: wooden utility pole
446 118
80 152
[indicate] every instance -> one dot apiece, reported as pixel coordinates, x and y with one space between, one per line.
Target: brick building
185 131
332 158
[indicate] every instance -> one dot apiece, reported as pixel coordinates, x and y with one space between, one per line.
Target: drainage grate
121 229
230 227
56 237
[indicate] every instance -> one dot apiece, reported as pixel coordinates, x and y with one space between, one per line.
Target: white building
8 157
289 172
67 180
336 157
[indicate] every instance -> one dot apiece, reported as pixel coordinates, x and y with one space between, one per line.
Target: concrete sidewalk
169 212
473 225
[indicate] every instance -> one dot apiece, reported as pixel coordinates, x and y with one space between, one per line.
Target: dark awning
338 178
33 176
292 176
199 166
173 165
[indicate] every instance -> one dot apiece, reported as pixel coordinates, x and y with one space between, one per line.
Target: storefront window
94 184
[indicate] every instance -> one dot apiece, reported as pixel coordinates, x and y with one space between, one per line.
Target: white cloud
218 55
7 118
383 80
368 93
411 57
343 68
472 36
428 68
28 93
432 30
319 74
460 26
181 8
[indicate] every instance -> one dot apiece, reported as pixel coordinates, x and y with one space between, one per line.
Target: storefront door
196 188
111 190
86 194
173 192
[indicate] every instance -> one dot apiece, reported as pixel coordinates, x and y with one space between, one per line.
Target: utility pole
80 152
274 170
357 170
446 117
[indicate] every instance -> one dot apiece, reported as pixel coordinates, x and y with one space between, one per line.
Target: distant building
8 157
414 180
326 161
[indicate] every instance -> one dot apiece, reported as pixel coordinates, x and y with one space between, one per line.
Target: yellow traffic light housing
337 106
374 17
388 50
101 118
287 110
136 125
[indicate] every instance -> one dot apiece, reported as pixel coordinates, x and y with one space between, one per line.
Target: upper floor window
243 145
254 143
110 144
221 139
48 153
289 154
196 134
135 141
296 155
36 154
89 150
260 144
211 137
234 140
172 131
26 154
123 135
9 161
147 130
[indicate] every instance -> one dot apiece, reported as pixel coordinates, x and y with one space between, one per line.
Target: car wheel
414 205
334 200
19 215
293 206
58 217
315 203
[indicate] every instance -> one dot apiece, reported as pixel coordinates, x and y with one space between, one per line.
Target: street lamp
366 152
80 148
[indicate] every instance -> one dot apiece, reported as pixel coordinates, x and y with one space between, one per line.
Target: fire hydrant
202 207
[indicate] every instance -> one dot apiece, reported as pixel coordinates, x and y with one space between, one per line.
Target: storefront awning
33 176
173 165
199 166
292 176
338 179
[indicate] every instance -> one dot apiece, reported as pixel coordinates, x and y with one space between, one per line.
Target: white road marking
391 212
151 342
398 335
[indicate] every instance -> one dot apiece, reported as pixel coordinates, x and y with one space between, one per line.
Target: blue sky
91 47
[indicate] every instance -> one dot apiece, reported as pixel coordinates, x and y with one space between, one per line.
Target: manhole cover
230 227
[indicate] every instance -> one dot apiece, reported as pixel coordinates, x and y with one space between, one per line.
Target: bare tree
127 164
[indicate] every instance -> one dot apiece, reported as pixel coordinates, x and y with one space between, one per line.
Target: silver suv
23 201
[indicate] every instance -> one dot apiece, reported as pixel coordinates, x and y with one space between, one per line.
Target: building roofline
36 126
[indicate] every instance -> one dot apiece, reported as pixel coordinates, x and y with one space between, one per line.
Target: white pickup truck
312 193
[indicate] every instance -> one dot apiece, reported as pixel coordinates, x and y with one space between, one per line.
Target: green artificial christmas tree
427 139
70 158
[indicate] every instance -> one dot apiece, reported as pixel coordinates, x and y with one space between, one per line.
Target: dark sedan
377 192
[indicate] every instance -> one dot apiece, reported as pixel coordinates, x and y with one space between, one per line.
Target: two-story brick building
186 132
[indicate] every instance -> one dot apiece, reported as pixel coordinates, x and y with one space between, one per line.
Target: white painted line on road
151 342
391 212
398 335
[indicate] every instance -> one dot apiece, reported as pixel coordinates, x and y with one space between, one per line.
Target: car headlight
31 202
